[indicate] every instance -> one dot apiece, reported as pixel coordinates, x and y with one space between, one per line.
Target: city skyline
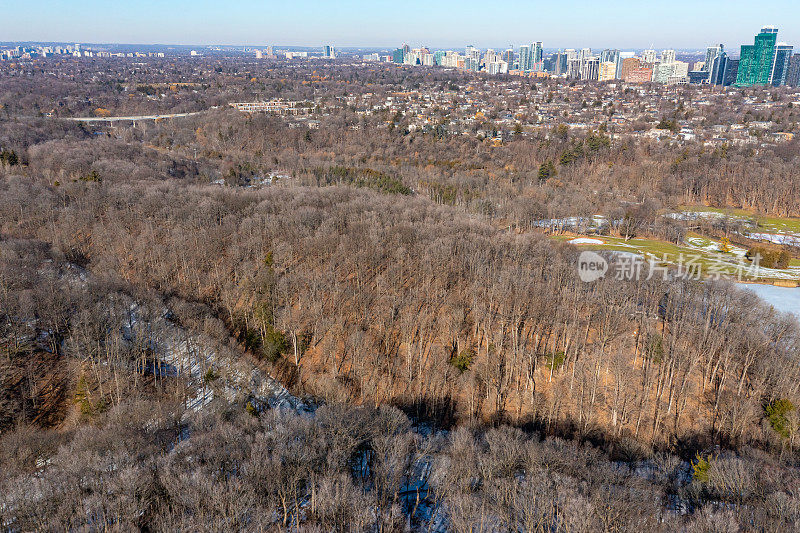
677 24
766 62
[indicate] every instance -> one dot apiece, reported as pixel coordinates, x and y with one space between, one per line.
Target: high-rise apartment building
537 52
622 57
628 64
559 64
780 65
643 74
731 72
712 53
756 60
611 56
793 73
717 69
608 71
649 56
573 68
668 56
672 73
590 68
662 72
525 57
497 67
508 56
414 57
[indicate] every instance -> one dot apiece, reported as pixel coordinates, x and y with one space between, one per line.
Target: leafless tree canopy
454 372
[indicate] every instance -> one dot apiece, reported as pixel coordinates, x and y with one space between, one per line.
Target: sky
680 24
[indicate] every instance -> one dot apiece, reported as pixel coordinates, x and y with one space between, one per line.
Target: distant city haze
680 24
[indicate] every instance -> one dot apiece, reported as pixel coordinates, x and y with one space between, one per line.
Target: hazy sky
443 23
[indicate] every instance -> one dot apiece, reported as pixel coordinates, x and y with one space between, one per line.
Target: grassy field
765 223
698 250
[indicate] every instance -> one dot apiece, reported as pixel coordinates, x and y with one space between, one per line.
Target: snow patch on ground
192 356
775 238
586 240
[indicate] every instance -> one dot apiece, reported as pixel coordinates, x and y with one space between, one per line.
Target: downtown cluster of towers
766 62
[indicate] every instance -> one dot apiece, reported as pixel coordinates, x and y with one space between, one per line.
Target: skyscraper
611 56
525 57
508 56
590 68
731 72
717 68
573 68
649 56
559 63
628 64
780 66
330 52
537 52
622 56
712 52
756 60
608 71
793 75
472 58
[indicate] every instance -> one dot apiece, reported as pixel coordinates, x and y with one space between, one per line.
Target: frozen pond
781 298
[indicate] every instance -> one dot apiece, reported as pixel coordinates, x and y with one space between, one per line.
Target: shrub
555 360
776 412
783 259
82 397
701 467
768 258
361 177
9 157
210 376
273 344
463 360
547 170
655 348
93 177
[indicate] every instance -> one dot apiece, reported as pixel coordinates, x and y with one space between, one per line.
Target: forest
437 362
